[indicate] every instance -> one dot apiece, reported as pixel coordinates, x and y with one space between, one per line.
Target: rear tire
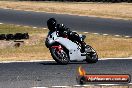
92 56
60 58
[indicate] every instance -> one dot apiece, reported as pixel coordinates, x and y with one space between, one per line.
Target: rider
63 30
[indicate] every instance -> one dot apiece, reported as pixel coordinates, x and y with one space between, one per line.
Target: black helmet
51 23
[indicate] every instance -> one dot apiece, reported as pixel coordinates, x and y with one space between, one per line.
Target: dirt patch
10 44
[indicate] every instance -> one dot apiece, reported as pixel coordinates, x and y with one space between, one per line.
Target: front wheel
59 54
91 56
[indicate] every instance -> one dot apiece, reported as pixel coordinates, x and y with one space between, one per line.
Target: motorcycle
64 50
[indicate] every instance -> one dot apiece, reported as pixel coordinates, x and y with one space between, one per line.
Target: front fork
58 48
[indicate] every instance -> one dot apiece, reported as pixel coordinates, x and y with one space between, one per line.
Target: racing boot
83 46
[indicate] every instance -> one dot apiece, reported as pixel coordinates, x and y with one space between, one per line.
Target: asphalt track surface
48 73
76 23
40 74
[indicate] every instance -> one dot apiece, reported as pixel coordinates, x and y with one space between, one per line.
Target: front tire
60 57
91 56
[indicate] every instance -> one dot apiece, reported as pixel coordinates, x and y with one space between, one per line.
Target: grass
6 29
34 48
109 46
106 10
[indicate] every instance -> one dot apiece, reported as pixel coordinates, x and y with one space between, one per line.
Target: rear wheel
59 54
91 56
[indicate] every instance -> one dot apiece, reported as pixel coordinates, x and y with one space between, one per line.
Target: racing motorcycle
64 50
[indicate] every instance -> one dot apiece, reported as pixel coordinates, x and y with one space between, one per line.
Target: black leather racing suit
73 36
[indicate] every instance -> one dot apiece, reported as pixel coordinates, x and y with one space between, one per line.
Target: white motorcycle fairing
74 50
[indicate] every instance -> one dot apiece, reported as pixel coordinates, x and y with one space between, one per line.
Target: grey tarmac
74 22
49 73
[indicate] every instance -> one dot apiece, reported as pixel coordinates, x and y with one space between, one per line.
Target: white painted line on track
29 10
114 58
85 32
74 31
127 36
117 35
25 61
34 27
21 10
40 60
99 85
1 23
130 83
113 84
18 25
96 33
107 84
6 8
59 86
44 28
39 87
88 85
77 85
54 60
105 34
82 85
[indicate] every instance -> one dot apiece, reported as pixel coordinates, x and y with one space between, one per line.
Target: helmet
51 23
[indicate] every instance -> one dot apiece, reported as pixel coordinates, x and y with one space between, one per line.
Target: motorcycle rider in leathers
63 31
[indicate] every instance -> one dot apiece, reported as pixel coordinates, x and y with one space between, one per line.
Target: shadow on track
110 61
55 63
